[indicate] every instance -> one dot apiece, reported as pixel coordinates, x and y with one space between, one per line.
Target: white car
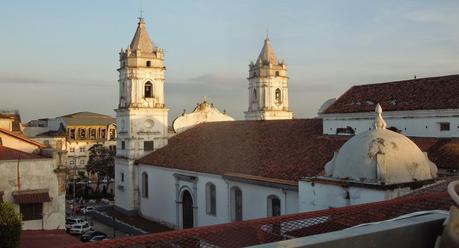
79 228
87 210
72 221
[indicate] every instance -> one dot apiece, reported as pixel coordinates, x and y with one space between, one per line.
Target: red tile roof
283 149
48 239
7 153
31 196
416 94
273 151
266 230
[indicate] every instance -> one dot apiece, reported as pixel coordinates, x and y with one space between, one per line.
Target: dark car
87 236
98 237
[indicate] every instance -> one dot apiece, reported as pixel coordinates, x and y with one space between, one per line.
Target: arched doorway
187 210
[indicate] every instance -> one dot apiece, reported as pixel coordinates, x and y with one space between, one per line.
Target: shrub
10 226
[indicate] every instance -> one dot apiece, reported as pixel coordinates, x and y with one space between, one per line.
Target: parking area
94 224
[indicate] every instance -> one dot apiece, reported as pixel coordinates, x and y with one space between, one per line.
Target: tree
101 162
10 226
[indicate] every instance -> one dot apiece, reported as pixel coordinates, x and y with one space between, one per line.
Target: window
444 126
254 95
274 206
148 145
82 162
82 133
92 133
72 133
277 73
148 63
123 145
112 134
72 161
122 177
72 149
148 90
144 185
236 204
211 201
394 129
82 149
102 133
345 131
278 96
32 211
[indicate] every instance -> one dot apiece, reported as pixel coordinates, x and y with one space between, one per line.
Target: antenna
141 9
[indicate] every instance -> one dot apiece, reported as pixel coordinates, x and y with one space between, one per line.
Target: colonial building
421 107
268 87
142 115
204 112
80 131
32 177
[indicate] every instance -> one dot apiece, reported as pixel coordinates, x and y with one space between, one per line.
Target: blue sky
60 57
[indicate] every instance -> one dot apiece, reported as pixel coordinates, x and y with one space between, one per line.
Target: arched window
277 73
274 206
148 89
236 204
144 185
211 199
148 63
278 96
254 95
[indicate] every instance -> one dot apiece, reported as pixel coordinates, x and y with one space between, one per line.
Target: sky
60 57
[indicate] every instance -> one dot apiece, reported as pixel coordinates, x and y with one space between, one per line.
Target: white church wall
163 189
125 185
425 123
316 196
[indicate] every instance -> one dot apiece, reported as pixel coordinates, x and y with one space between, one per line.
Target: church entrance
187 210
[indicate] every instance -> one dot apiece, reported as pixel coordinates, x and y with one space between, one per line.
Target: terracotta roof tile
7 153
31 196
283 149
416 94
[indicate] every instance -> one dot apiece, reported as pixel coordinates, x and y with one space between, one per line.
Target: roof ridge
404 80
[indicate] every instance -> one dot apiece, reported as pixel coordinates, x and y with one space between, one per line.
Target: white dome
381 156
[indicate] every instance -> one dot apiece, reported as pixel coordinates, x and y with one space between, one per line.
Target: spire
379 121
141 40
267 54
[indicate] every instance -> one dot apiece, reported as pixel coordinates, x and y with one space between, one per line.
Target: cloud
38 81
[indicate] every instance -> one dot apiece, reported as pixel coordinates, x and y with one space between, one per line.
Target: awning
31 196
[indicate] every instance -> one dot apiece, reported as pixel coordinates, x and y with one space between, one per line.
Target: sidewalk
139 222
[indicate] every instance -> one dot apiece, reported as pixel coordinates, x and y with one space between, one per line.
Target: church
214 169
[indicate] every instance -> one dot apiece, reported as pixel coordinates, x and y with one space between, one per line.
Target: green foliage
101 162
10 226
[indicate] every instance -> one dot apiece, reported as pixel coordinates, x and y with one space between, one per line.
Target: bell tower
268 87
141 116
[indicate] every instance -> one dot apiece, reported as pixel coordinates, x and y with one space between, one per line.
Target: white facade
441 123
142 118
166 186
317 196
268 87
204 112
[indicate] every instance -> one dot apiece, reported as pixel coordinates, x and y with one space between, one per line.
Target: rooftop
415 94
88 119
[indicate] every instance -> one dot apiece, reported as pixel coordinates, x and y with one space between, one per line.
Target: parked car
79 228
87 210
87 236
98 237
72 221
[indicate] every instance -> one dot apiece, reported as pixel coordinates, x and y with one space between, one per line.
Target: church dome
381 156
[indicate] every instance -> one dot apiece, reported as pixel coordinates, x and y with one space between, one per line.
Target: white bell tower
268 87
141 116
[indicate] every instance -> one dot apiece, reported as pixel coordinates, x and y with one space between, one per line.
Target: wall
316 196
35 174
164 189
126 192
420 123
18 144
